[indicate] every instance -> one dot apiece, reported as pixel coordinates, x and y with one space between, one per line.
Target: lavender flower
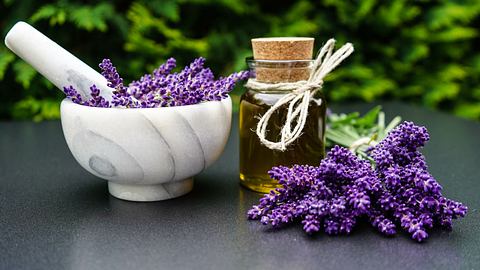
411 195
110 73
332 196
396 190
96 101
73 94
193 85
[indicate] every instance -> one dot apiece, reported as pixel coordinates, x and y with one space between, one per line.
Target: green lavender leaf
370 117
349 129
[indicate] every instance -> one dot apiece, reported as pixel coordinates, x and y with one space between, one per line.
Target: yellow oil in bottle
256 159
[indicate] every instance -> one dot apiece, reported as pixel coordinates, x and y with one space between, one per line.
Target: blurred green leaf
452 72
167 8
45 12
440 92
476 94
455 34
296 22
145 24
92 17
37 110
365 8
375 88
415 52
469 110
237 6
449 14
396 12
6 58
24 73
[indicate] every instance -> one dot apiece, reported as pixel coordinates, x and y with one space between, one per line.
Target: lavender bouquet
194 84
395 190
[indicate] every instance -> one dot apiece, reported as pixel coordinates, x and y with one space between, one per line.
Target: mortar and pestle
147 154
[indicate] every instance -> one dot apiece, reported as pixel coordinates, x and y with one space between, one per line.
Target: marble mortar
147 154
144 154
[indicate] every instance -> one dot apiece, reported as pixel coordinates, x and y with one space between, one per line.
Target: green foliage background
424 52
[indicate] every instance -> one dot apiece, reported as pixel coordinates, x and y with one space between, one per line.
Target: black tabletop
55 215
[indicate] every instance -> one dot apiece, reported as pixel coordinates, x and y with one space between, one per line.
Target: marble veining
206 133
147 154
195 137
102 166
187 153
80 82
168 148
92 150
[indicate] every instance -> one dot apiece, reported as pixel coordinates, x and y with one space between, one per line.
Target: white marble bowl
147 154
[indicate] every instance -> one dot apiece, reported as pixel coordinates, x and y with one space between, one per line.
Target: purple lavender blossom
73 94
411 195
396 190
95 101
193 85
332 196
110 73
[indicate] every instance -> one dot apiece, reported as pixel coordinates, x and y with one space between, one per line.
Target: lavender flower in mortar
95 101
193 85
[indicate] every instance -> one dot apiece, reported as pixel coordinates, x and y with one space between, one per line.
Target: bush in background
416 51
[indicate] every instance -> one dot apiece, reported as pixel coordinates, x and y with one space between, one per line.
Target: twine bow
299 98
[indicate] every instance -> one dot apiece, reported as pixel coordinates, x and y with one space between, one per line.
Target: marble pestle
54 62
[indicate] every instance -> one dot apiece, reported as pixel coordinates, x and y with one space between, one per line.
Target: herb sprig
356 132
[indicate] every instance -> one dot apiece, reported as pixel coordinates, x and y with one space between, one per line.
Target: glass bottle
256 159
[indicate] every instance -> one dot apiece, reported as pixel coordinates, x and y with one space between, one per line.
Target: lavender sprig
95 101
193 85
411 195
395 190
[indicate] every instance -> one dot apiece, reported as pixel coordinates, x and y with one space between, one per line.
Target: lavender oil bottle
278 60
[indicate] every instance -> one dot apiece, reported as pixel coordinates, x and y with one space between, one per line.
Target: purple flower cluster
96 99
411 196
329 197
343 188
194 84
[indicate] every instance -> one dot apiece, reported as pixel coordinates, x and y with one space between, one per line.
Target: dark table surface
55 215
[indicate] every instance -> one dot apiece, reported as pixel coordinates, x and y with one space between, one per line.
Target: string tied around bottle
301 93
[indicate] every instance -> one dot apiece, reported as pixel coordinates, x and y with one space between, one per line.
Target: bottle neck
280 71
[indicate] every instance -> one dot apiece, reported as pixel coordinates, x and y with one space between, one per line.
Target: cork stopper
283 49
